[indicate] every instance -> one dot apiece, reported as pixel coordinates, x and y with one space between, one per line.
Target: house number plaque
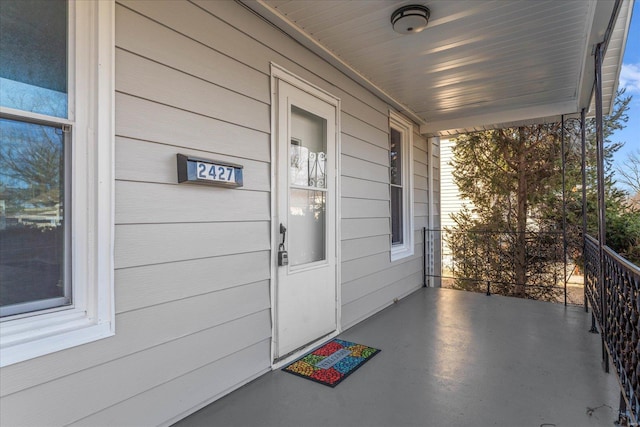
209 172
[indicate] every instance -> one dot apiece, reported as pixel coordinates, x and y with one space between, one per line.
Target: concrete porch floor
449 358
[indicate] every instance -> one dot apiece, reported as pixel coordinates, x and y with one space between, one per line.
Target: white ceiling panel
478 63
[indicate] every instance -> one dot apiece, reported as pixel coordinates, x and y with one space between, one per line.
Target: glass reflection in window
32 249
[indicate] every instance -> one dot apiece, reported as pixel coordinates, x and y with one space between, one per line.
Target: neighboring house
450 200
157 296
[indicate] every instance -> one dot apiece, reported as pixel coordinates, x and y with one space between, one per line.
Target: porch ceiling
478 64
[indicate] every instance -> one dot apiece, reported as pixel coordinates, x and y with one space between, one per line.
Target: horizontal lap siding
370 303
144 286
363 150
370 281
141 202
451 202
117 380
159 165
144 244
186 303
150 347
167 86
364 246
177 242
196 390
148 121
378 280
420 182
193 322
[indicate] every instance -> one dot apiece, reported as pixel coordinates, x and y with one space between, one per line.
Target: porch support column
564 210
601 201
583 140
432 264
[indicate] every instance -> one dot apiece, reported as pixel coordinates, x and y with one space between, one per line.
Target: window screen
33 152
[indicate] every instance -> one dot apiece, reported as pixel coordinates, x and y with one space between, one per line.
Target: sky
630 79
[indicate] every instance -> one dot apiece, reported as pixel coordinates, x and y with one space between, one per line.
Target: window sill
400 252
27 338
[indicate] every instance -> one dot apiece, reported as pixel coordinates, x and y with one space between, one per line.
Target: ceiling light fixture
410 19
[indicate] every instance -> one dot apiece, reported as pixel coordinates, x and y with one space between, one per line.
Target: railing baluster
619 296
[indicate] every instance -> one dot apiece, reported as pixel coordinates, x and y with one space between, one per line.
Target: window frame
91 119
405 127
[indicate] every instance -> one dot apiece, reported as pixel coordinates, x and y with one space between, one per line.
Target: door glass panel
307 153
306 226
307 168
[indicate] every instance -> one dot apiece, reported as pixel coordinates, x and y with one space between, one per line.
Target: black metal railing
530 265
616 308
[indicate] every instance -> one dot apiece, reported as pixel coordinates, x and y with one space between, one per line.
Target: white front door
305 292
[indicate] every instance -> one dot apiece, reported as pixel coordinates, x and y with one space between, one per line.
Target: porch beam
429 235
601 202
564 209
583 143
501 119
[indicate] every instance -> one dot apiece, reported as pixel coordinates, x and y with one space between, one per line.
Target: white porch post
601 201
432 265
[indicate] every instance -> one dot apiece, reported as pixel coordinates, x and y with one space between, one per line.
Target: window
56 145
401 186
33 223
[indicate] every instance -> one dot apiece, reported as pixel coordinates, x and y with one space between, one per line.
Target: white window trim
405 127
92 315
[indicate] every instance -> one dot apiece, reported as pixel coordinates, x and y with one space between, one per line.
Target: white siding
451 200
192 320
370 281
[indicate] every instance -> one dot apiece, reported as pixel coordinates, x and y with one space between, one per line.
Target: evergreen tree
505 173
512 233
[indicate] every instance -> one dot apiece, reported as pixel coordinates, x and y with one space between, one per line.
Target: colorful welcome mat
332 363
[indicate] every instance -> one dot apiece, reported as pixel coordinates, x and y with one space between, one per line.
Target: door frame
280 73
